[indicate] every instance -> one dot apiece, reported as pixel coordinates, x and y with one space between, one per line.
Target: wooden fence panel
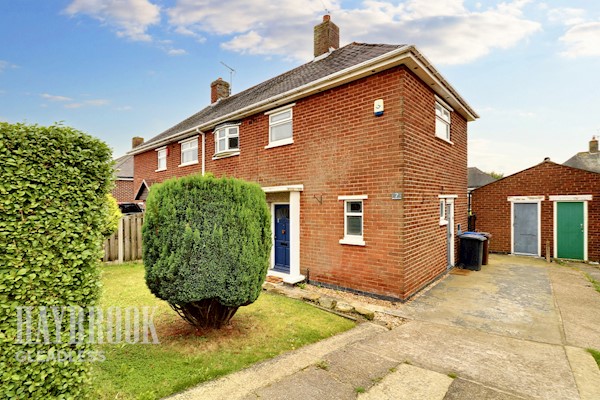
126 243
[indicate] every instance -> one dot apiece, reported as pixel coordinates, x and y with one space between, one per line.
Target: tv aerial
231 73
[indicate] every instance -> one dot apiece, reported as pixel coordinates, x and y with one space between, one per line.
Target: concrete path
518 329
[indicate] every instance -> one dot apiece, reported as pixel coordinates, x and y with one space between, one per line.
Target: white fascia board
287 188
407 55
580 197
525 199
354 197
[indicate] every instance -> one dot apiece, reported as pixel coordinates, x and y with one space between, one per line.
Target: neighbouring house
546 209
588 160
124 189
476 178
362 154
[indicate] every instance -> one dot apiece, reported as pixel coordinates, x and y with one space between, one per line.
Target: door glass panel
282 212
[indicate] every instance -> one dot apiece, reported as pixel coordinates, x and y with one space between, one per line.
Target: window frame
161 154
355 240
443 216
185 142
443 118
290 120
228 151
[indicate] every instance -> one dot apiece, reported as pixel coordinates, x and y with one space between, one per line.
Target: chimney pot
136 141
219 89
594 145
326 36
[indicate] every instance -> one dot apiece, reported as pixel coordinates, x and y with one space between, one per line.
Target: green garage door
569 230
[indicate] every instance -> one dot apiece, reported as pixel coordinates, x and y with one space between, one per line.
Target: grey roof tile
477 178
585 160
340 59
124 167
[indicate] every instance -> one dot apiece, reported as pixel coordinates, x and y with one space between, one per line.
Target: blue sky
120 68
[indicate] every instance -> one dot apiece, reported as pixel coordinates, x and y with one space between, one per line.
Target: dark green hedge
53 189
206 238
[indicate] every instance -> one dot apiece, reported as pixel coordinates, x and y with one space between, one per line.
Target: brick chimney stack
136 141
594 145
326 36
219 89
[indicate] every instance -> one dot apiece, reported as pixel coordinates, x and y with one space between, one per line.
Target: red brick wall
492 208
432 167
341 148
123 191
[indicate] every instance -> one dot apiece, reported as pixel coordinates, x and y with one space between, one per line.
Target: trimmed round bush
54 183
206 244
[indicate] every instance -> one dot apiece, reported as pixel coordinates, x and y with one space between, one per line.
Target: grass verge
596 355
186 357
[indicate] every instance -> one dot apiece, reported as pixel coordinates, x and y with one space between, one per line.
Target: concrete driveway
518 329
512 296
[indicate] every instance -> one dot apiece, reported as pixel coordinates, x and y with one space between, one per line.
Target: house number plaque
396 196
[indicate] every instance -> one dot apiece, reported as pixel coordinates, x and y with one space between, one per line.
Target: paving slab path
518 329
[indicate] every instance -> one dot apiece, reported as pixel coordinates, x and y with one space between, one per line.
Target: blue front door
282 238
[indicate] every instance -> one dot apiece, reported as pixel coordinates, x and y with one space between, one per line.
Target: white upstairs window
227 140
442 122
281 130
189 152
161 159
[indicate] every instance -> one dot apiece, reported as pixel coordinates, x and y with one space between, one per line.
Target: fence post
127 237
120 240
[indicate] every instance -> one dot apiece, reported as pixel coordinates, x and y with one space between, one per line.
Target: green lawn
185 357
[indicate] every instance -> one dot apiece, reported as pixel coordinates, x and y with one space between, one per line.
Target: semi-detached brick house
362 154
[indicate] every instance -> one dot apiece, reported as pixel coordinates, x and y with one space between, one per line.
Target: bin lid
472 236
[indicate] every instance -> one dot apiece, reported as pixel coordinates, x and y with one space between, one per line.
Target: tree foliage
53 186
206 244
496 175
113 215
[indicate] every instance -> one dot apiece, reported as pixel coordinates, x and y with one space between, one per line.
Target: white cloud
567 16
4 65
124 108
582 40
51 97
176 52
88 103
130 18
446 31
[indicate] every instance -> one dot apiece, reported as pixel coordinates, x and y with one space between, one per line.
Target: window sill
218 156
353 241
188 163
443 222
160 170
278 143
444 139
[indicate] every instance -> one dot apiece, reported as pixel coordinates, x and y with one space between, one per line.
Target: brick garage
548 180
